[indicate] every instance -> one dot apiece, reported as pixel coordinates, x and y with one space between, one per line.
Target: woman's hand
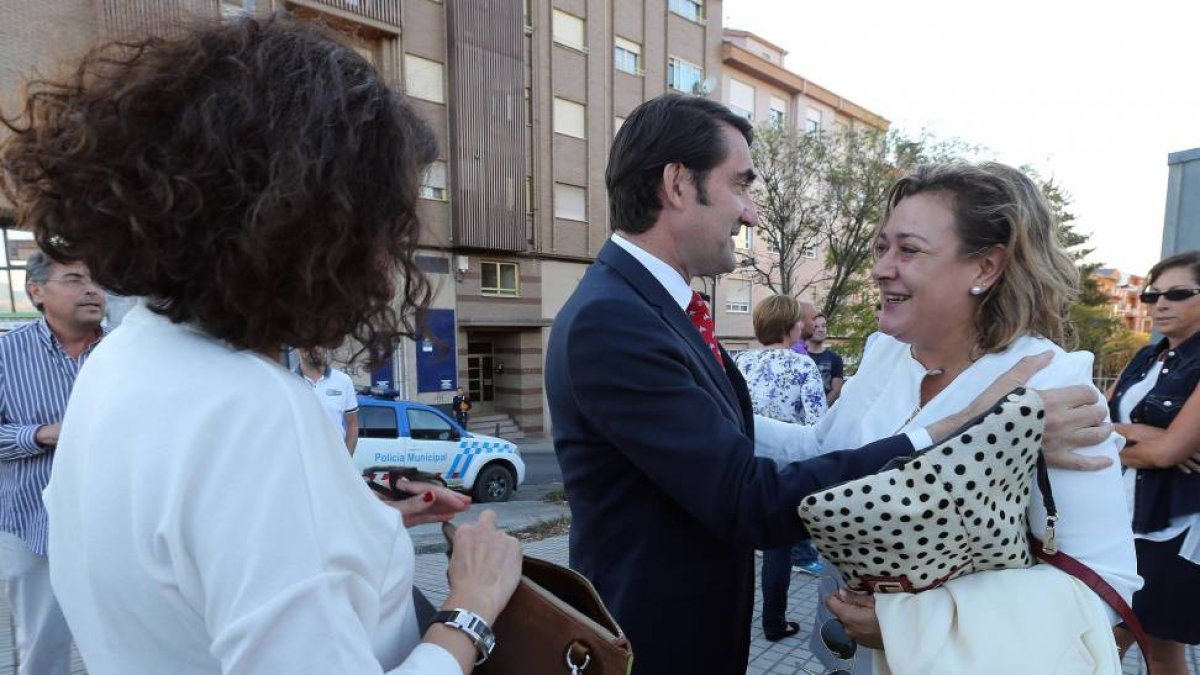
484 567
1137 433
1191 464
430 503
857 614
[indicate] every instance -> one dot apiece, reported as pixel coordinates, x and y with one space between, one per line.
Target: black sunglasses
1174 295
837 640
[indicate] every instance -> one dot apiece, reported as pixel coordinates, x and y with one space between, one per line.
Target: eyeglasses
75 282
837 640
840 645
1174 295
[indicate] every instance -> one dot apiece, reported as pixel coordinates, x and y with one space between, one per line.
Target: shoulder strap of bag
1102 588
1052 556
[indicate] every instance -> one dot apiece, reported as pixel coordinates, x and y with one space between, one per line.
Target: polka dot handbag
949 510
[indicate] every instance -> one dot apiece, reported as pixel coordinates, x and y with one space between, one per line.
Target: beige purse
949 510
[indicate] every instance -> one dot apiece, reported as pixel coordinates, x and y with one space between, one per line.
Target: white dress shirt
206 519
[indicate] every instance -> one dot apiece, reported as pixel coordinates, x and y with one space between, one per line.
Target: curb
511 517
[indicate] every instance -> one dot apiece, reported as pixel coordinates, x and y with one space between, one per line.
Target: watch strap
473 626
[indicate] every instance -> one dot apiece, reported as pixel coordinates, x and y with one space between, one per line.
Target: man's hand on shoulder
1075 417
47 435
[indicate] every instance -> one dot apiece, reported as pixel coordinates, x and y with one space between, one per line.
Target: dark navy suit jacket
656 444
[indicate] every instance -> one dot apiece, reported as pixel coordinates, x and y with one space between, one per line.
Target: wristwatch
473 625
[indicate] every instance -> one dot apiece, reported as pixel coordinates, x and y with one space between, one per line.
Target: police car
408 434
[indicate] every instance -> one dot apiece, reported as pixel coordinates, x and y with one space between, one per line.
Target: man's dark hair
258 178
671 128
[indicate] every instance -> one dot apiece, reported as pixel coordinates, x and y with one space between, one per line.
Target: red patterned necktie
697 311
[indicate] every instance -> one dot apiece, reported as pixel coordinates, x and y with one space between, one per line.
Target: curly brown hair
258 178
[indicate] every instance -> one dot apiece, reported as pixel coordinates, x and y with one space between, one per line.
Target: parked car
408 434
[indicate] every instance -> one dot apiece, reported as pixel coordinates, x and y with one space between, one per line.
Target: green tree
1096 329
789 195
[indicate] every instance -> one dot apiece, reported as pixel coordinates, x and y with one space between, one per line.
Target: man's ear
34 290
675 176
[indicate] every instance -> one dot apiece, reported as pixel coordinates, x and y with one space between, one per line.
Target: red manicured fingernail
428 497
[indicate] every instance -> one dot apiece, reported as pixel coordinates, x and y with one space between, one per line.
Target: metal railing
383 11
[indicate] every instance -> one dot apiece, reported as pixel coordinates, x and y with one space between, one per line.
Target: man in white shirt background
334 390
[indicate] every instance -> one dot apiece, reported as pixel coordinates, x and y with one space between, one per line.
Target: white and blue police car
414 435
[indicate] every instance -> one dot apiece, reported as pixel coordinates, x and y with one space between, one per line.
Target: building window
683 76
809 251
570 202
423 79
18 245
693 10
627 56
568 30
433 184
499 278
737 296
812 121
744 239
569 118
741 99
778 111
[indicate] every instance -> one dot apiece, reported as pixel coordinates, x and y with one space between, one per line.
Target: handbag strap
1052 556
1102 588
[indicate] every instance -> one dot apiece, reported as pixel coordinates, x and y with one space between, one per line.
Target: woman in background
784 386
1156 412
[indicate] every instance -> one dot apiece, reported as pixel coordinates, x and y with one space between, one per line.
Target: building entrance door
480 374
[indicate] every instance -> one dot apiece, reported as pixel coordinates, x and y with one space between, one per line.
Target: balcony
384 14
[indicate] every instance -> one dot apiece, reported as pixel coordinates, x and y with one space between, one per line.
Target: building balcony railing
387 12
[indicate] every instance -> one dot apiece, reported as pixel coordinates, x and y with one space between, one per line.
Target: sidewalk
788 656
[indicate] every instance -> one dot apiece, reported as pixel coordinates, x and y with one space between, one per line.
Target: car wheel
493 484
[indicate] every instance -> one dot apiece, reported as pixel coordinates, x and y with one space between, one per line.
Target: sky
1095 95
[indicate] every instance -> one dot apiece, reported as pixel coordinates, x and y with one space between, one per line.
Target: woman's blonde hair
774 317
998 205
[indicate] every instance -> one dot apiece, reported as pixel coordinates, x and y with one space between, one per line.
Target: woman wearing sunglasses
1155 411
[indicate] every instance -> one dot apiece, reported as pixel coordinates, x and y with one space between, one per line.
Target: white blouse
880 401
205 518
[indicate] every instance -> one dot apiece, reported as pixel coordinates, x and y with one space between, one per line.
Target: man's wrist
943 428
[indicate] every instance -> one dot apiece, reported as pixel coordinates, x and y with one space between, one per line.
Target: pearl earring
977 290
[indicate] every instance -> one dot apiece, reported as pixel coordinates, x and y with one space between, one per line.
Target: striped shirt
36 377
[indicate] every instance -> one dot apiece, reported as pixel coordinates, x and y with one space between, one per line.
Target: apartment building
525 97
1123 290
755 84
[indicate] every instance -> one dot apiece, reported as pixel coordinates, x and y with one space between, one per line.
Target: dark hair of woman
661 131
259 181
1190 260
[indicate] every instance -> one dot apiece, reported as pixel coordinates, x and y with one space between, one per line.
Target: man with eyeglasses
38 365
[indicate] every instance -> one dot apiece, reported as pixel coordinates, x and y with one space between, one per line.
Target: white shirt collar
668 276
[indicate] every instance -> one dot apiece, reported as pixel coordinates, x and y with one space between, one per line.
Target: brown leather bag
555 623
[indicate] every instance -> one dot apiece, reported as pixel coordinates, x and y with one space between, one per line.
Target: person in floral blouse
786 386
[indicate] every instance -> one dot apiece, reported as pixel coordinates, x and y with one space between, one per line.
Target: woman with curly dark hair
256 183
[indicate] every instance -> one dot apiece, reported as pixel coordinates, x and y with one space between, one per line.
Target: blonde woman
972 278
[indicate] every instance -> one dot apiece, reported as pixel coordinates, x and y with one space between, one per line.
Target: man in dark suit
652 421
